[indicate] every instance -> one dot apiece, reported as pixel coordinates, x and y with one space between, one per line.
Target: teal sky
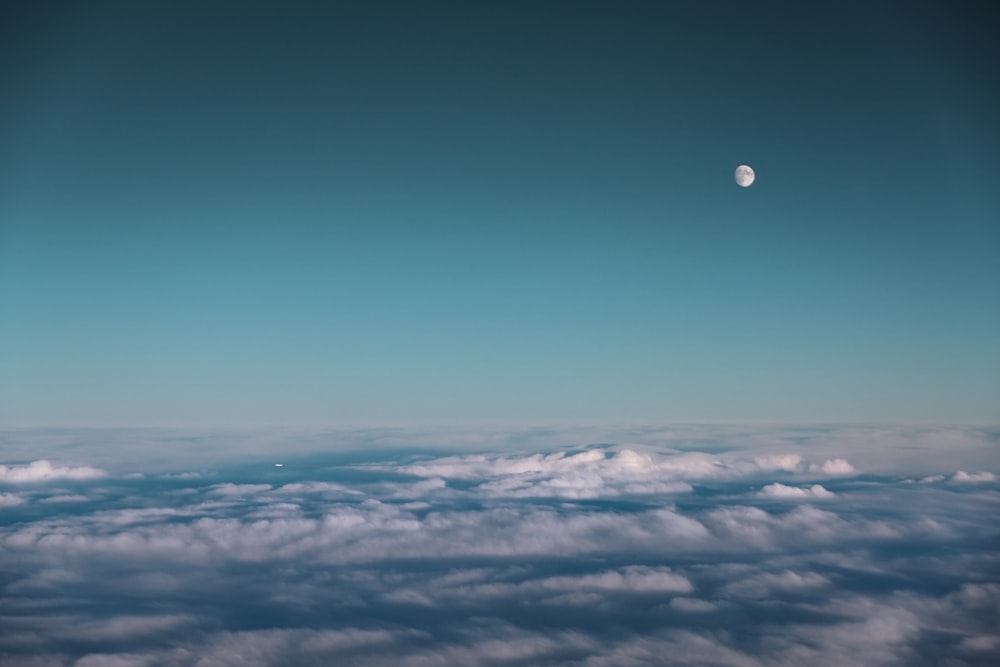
503 212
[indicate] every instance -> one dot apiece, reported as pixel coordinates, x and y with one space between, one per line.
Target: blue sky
509 213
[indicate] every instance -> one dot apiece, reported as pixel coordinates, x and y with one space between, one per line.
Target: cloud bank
586 555
778 490
44 470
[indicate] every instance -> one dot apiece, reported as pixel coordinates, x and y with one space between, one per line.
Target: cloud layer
631 554
42 470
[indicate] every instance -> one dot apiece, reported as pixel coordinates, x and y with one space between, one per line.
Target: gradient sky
506 212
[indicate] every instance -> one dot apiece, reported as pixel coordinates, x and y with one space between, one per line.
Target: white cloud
636 579
121 627
963 477
11 500
832 467
980 598
230 489
981 644
276 511
693 605
604 587
766 584
787 462
66 498
361 532
577 485
898 450
409 490
118 660
463 552
594 473
324 488
45 579
751 527
605 463
44 470
814 492
606 472
262 648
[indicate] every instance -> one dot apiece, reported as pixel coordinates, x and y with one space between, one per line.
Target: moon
744 176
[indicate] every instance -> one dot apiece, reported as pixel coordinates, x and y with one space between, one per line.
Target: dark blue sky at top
521 212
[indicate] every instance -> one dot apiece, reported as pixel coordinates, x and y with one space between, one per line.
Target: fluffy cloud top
832 467
66 498
230 489
778 490
10 500
43 470
789 462
610 472
597 556
768 584
963 477
637 579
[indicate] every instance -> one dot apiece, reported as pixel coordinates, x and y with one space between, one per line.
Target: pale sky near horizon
497 212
